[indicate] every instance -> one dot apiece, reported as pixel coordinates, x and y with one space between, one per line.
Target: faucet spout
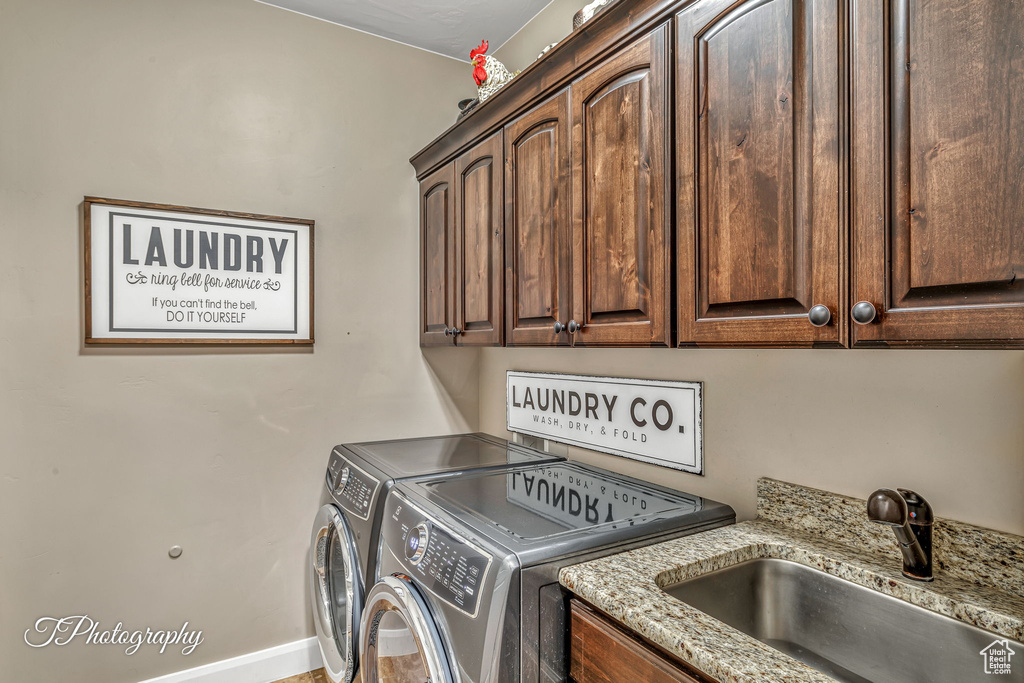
910 517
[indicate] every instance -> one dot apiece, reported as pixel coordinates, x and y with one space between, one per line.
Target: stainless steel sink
849 632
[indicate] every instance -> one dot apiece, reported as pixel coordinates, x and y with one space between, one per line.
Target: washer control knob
342 481
416 543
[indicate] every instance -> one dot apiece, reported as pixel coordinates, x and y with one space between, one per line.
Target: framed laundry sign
157 273
655 421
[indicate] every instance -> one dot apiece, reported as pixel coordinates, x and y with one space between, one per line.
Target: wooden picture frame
167 274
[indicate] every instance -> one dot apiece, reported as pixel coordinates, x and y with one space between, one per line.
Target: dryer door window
399 641
337 593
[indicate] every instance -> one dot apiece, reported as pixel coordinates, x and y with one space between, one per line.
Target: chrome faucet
910 517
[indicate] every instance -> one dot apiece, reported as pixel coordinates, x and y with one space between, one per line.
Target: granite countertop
979 578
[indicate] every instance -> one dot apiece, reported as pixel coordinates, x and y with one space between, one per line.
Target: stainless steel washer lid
546 511
437 455
399 640
336 592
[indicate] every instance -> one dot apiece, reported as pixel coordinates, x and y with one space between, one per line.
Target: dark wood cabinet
603 652
461 250
437 257
587 208
758 173
622 226
479 252
538 229
937 161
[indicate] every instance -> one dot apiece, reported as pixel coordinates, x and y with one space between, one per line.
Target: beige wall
947 423
550 25
111 456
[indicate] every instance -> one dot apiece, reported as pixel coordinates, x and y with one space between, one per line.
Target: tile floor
317 676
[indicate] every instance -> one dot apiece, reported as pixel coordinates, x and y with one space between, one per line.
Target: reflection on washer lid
532 504
414 457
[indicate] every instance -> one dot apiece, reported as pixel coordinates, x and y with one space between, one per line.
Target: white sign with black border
175 274
654 421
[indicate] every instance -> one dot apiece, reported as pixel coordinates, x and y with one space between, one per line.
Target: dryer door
337 593
399 641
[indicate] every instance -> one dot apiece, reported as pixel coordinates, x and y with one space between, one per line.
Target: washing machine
344 537
470 566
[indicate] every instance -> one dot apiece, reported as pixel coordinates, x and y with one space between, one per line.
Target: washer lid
567 507
437 455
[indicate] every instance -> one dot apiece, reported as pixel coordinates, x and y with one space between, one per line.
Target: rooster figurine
490 74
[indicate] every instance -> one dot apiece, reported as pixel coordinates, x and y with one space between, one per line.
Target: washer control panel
353 487
448 566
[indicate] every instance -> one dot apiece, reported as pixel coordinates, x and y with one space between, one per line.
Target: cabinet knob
819 315
559 327
447 331
574 327
456 331
863 312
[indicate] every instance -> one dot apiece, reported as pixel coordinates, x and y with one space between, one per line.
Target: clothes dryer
470 567
344 537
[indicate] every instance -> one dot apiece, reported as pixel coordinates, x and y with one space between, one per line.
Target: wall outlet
540 444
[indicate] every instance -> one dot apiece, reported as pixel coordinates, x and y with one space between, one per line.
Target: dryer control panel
354 488
447 565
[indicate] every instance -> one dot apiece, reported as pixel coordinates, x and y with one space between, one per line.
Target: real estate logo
997 658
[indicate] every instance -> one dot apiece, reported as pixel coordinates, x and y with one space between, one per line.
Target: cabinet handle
819 315
863 312
456 331
574 327
447 331
559 327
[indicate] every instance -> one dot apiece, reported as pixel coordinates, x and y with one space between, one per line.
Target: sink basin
849 632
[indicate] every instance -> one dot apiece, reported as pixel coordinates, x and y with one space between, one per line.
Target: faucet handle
918 508
886 506
889 507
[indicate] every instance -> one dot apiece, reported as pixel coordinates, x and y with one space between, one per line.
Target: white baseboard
264 666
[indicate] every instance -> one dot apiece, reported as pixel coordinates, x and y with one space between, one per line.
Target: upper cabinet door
622 218
759 238
937 163
479 263
437 257
538 224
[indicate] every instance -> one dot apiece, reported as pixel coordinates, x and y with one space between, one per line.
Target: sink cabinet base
603 652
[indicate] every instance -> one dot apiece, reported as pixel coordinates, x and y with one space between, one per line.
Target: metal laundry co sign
648 420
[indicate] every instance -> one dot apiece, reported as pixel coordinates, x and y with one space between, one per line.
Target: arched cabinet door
622 230
538 205
937 158
437 257
479 255
759 241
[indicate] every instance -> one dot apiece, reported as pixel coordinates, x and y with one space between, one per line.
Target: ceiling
447 27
